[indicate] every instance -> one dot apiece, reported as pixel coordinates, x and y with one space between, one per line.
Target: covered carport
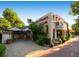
15 33
22 34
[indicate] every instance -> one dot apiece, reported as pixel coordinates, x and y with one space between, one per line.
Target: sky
36 9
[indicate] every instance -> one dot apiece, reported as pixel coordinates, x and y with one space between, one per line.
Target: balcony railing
59 27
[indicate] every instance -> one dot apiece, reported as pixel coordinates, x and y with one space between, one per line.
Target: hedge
2 50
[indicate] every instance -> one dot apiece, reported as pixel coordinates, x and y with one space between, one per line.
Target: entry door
0 38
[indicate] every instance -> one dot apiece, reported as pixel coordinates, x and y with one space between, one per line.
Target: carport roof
25 28
17 29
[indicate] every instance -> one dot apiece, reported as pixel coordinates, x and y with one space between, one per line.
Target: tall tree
4 23
75 12
12 17
76 28
75 8
29 20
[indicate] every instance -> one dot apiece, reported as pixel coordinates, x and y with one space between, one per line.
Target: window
57 23
56 18
53 34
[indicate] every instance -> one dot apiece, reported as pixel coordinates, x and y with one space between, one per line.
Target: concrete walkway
21 47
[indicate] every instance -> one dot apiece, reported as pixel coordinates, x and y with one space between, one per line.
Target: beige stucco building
55 25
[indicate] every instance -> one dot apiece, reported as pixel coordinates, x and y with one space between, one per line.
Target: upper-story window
57 23
58 19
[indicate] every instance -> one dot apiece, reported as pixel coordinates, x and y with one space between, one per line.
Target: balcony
59 25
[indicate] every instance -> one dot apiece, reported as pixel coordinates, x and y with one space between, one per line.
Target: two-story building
54 25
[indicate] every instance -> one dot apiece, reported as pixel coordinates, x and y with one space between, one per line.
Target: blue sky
35 10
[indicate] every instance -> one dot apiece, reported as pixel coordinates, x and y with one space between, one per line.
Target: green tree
12 17
39 36
34 28
76 28
29 20
4 23
75 8
75 12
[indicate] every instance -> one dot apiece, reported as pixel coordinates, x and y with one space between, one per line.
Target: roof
50 13
22 29
71 30
15 29
43 16
25 28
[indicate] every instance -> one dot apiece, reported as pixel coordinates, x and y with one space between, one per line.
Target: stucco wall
65 26
5 37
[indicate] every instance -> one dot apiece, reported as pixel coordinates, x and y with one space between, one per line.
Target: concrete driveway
68 49
21 47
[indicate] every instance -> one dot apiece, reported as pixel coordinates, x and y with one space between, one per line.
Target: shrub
2 50
35 36
40 42
42 39
68 36
62 39
39 36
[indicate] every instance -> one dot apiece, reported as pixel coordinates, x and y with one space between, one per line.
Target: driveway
67 49
21 47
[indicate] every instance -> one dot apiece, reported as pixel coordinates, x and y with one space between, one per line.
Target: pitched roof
22 29
25 28
15 29
50 13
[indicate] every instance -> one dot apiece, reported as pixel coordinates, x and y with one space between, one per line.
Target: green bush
42 39
2 50
68 36
62 39
40 42
39 36
35 37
